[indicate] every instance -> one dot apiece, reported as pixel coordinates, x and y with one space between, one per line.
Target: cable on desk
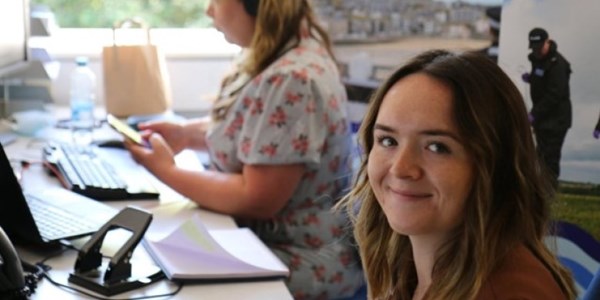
55 254
20 166
54 170
44 271
72 289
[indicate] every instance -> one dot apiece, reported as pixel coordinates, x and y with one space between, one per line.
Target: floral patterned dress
295 112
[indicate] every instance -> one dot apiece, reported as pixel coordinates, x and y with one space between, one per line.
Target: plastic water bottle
82 96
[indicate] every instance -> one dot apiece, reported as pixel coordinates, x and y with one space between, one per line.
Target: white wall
196 59
574 26
192 80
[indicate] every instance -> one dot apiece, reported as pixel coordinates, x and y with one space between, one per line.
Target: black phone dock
118 275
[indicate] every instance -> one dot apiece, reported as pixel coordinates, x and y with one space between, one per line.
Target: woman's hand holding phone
127 131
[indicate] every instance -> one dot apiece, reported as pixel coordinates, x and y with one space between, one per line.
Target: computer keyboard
54 222
82 170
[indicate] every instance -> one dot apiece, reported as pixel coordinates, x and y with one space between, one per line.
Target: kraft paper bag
136 80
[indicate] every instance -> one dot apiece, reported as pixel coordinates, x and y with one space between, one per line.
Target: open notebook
47 215
192 252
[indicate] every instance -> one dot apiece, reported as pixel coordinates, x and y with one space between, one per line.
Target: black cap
537 37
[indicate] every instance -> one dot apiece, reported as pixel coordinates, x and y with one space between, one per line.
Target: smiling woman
453 201
423 188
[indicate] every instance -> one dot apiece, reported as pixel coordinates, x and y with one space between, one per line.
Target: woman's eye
438 148
386 141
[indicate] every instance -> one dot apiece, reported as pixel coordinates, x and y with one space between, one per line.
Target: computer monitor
14 25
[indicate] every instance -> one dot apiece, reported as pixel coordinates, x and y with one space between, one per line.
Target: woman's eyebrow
441 132
383 127
429 132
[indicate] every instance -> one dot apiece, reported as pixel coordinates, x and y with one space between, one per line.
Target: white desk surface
171 209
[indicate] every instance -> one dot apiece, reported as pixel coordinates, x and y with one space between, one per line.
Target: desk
170 207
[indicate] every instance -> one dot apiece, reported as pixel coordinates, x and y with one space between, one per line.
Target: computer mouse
110 144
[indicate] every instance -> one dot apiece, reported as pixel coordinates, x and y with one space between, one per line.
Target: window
180 27
197 54
104 13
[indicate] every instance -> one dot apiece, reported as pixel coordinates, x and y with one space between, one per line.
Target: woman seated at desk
279 143
454 203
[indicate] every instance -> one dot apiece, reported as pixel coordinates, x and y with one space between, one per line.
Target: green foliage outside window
104 13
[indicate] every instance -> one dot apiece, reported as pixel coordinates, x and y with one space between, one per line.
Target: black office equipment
47 215
83 170
18 279
119 275
110 143
12 280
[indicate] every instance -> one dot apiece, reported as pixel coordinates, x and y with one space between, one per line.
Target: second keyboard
82 170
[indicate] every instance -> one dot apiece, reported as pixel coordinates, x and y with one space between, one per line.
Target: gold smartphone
126 130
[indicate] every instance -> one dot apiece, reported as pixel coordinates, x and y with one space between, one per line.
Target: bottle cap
81 60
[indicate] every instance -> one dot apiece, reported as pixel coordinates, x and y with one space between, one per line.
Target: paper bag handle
130 23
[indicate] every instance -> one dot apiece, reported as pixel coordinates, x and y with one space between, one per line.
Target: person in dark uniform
551 115
493 13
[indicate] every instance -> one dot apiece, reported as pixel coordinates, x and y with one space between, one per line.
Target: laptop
49 215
